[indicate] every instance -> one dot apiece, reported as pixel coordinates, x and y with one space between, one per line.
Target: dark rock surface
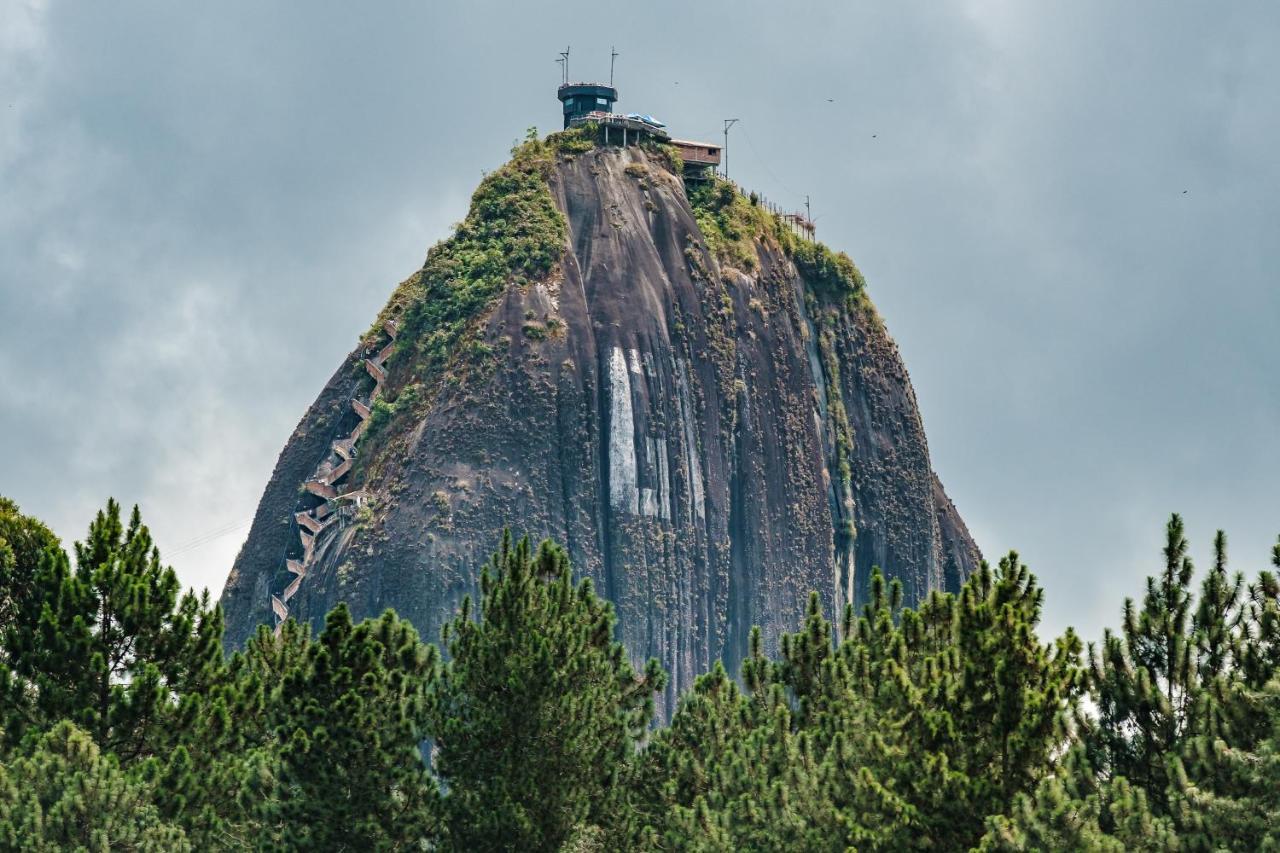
672 422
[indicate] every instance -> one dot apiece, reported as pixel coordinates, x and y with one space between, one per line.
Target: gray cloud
200 210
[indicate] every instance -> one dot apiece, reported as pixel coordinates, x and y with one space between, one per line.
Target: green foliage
669 156
832 274
945 727
23 540
1061 817
1182 749
538 710
1233 801
349 715
743 771
732 223
24 543
383 411
513 233
1144 678
905 734
108 645
574 140
111 647
65 795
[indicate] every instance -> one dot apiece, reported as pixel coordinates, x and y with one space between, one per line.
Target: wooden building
701 159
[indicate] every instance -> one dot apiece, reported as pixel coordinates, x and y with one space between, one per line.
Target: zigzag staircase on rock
317 524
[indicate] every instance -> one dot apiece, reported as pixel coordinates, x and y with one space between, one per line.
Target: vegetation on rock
732 223
513 234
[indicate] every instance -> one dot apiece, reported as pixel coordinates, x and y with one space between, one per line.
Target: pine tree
24 542
68 795
1235 802
906 735
113 648
733 771
1012 691
1143 679
977 703
218 778
348 717
538 710
841 700
1260 659
1173 754
1068 812
112 643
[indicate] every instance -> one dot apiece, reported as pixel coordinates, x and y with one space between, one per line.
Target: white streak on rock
664 479
648 496
690 440
622 441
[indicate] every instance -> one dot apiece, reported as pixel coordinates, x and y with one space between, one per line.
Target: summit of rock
701 404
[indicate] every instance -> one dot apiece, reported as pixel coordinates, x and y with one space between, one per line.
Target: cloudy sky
1069 215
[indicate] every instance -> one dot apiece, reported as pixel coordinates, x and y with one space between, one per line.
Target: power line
765 163
208 537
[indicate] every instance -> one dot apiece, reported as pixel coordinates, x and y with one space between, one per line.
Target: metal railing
799 224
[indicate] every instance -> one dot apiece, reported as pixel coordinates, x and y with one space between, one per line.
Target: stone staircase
318 523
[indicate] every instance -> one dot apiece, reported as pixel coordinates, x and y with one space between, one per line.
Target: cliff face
709 432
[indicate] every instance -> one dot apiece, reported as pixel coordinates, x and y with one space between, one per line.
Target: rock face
710 440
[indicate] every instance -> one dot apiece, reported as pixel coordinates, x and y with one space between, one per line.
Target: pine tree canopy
949 726
538 710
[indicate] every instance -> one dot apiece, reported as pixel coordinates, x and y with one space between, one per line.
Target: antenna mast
613 54
564 57
728 123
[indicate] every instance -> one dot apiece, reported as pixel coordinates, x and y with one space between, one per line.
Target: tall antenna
613 54
564 57
728 123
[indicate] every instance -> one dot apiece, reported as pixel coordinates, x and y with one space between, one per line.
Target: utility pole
808 216
613 54
728 123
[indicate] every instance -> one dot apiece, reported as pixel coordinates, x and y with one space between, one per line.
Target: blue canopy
647 119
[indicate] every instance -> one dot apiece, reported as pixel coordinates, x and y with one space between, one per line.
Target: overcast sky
1068 213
